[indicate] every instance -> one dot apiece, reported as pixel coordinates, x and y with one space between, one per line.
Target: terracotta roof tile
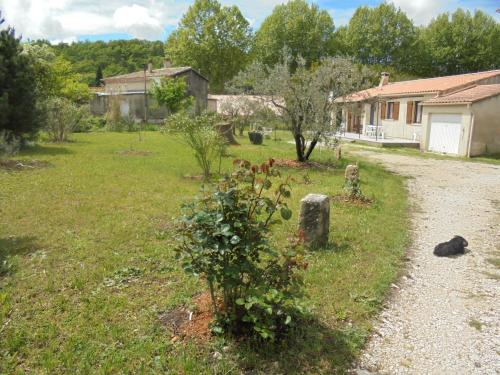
469 95
423 86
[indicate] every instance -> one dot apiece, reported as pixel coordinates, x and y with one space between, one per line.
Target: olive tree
307 98
240 110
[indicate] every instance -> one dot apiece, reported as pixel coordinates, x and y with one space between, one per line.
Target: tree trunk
311 148
299 147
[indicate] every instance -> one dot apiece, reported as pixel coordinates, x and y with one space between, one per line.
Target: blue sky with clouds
71 20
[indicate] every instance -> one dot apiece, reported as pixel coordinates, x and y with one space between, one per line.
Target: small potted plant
256 137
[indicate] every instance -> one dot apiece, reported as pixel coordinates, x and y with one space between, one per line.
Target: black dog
454 246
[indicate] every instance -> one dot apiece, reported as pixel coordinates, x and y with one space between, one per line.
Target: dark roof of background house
163 72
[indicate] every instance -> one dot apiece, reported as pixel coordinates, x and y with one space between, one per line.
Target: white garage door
445 132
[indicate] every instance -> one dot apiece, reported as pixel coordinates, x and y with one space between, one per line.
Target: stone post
352 173
314 220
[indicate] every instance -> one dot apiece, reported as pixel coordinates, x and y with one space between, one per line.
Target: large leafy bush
172 93
224 238
63 118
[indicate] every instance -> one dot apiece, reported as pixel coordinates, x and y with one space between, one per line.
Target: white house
458 115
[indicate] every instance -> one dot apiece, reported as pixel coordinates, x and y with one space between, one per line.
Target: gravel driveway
444 315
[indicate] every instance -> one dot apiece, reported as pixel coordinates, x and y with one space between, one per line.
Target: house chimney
384 79
167 63
150 67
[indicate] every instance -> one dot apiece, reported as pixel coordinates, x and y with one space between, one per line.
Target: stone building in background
129 90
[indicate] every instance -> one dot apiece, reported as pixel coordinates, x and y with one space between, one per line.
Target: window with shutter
382 110
409 112
390 111
395 112
417 117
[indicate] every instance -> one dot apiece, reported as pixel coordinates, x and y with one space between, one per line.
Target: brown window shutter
409 112
382 110
395 112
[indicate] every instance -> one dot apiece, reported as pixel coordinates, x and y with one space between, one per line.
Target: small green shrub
200 135
90 123
123 124
256 137
151 127
9 143
223 236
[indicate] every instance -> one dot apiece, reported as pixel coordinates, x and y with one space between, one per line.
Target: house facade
457 115
129 89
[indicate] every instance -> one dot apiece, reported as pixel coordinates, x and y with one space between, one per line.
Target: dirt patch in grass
357 201
193 177
23 165
134 153
294 164
192 322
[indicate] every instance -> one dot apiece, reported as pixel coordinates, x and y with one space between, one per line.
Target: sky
75 20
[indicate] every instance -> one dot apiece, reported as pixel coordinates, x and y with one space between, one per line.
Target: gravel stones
426 327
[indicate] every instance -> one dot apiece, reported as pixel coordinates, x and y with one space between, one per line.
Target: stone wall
131 105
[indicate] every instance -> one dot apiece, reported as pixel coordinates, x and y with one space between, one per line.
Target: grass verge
489 159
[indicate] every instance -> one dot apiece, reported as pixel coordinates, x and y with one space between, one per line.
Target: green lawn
86 262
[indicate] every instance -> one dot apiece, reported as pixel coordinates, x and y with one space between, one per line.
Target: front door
353 123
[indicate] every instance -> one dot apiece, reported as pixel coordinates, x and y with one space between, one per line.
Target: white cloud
137 19
422 11
67 19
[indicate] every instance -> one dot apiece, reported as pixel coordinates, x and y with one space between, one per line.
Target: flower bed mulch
190 323
294 164
358 201
23 165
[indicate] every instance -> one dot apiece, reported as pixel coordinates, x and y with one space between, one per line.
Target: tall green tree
98 76
171 93
114 57
213 39
459 43
301 28
383 35
18 113
55 76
